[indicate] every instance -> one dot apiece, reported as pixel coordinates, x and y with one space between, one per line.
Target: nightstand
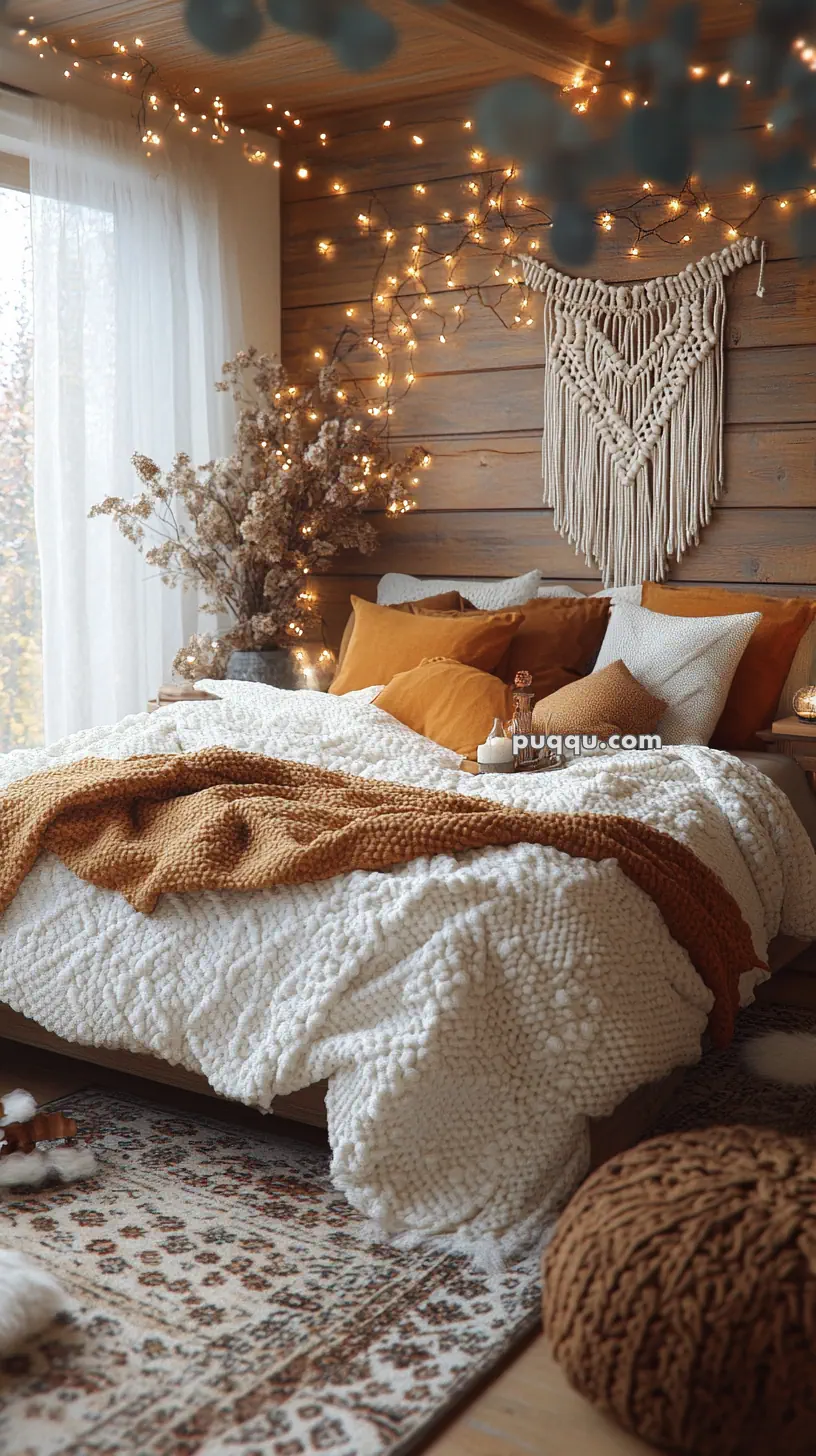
797 740
177 693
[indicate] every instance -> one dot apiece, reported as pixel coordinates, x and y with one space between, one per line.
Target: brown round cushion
680 1292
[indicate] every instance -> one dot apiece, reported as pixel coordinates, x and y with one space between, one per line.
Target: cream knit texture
471 1011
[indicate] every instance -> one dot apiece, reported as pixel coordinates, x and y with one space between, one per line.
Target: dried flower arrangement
305 473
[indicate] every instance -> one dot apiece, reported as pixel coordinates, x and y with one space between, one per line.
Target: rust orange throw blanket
222 819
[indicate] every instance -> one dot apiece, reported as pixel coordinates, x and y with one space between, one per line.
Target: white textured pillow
621 594
558 589
688 661
802 672
489 596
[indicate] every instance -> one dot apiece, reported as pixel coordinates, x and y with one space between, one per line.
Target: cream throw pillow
802 672
489 596
687 661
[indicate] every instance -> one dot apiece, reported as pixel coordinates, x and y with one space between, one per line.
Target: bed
488 1008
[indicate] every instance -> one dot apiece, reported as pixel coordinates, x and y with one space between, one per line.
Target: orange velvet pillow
452 704
764 665
557 641
442 602
385 642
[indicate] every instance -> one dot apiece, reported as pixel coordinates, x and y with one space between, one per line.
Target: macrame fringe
632 447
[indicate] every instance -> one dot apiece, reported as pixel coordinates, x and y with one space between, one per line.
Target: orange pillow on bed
452 704
765 663
442 602
558 641
384 642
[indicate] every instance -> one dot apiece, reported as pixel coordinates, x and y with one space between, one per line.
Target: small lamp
804 704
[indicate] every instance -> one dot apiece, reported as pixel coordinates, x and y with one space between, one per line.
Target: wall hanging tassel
632 449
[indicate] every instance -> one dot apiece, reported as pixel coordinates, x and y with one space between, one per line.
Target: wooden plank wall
477 401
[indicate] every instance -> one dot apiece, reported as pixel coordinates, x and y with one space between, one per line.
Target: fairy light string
456 256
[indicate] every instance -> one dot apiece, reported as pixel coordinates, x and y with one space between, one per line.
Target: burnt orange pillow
608 701
558 641
442 602
384 642
764 665
452 704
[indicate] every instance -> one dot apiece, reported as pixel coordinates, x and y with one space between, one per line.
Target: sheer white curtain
131 325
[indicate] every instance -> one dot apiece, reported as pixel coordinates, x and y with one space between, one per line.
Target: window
21 719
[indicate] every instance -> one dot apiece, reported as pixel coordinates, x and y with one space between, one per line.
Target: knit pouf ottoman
680 1292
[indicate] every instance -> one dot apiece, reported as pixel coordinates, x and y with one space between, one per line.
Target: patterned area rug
231 1303
721 1089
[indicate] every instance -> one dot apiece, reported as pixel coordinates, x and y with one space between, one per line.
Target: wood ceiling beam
541 42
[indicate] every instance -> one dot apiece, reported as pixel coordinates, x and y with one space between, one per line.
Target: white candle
495 755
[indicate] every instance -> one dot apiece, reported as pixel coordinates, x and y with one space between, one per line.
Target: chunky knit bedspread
471 1011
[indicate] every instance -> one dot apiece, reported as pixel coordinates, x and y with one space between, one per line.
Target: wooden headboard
477 401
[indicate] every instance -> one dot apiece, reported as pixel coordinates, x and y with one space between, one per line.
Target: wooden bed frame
629 1122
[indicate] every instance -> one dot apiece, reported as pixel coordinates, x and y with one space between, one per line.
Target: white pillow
489 596
688 661
802 672
621 594
558 589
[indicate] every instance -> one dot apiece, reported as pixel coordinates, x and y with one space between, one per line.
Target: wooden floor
528 1409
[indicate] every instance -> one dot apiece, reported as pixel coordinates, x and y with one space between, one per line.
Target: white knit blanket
470 1011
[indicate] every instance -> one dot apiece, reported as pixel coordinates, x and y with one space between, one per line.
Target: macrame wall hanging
632 451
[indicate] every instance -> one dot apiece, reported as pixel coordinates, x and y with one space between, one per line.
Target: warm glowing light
417 140
303 173
633 252
477 156
628 98
420 188
386 124
724 78
349 313
324 247
338 187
